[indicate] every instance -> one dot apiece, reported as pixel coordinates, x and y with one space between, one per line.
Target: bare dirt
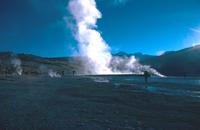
96 103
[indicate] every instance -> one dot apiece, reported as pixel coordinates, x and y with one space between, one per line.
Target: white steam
54 74
17 65
92 46
129 65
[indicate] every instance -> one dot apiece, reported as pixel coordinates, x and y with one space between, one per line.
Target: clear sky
147 26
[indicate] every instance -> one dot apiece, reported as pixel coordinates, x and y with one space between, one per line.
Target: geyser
91 44
17 65
54 74
97 55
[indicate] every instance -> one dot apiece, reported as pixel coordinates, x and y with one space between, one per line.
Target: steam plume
17 65
129 65
92 46
53 74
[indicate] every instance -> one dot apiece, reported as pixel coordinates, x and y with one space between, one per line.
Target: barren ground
96 103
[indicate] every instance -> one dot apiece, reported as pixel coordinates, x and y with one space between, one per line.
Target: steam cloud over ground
17 65
93 48
91 44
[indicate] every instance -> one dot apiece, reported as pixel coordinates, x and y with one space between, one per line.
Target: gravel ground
96 103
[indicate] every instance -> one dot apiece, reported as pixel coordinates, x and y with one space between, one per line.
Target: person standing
146 76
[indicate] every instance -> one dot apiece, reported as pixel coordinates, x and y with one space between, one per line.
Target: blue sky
147 26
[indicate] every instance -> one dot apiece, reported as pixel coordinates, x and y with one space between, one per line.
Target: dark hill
185 62
35 65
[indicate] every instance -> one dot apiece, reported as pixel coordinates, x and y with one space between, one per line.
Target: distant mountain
122 54
185 62
34 65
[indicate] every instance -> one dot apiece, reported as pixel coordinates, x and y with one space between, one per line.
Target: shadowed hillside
34 65
184 62
175 63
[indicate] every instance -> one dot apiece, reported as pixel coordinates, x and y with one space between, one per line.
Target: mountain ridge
184 62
